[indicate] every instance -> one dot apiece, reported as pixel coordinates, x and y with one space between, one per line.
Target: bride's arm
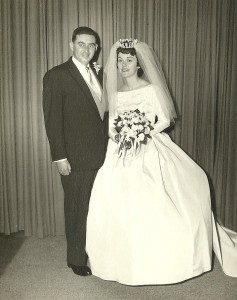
163 122
113 134
160 125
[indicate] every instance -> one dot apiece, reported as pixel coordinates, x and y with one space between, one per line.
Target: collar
80 66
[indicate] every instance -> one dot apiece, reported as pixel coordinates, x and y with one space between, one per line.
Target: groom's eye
92 46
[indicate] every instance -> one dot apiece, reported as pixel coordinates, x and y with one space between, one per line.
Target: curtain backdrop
197 45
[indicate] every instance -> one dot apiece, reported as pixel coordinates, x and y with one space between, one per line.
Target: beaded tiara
127 43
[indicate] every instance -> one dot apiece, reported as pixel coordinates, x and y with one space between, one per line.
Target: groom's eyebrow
86 43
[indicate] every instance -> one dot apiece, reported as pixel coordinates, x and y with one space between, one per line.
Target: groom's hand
63 167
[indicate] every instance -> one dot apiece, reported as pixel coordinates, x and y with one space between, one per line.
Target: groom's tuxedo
75 131
74 127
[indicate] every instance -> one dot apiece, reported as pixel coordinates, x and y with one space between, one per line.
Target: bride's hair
153 74
132 52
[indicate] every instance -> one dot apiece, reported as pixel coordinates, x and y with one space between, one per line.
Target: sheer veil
152 73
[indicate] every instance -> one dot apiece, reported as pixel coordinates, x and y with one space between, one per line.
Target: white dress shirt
84 72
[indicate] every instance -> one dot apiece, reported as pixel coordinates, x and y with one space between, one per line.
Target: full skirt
150 219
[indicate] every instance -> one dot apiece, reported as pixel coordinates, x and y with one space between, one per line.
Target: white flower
140 127
141 137
131 133
147 130
134 127
136 119
124 130
96 67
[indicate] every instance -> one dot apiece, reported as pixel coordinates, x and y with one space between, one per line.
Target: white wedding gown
150 219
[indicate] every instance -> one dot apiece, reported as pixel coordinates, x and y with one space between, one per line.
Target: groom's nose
86 49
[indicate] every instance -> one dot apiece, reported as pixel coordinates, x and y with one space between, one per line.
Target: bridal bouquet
134 129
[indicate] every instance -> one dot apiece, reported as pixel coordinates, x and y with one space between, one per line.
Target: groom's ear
71 45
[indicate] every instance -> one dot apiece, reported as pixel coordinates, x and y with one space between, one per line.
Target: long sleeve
163 122
53 115
112 130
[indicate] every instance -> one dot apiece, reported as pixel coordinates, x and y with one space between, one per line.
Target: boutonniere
96 67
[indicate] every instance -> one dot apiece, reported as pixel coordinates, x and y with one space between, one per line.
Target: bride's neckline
139 88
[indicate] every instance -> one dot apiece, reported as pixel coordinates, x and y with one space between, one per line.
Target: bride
150 219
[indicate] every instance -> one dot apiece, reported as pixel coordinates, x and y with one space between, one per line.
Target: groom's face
84 48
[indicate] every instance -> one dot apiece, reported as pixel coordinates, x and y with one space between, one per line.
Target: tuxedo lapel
76 75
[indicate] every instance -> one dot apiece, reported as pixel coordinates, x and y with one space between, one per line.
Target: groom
76 127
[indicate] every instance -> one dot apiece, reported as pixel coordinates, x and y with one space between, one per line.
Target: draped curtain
197 45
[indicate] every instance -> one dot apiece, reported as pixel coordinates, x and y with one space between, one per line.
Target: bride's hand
115 138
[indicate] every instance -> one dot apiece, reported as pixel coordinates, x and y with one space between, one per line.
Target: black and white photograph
118 149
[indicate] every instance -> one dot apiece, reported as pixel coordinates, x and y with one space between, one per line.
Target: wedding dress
150 219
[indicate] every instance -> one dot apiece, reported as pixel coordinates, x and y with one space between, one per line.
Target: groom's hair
85 30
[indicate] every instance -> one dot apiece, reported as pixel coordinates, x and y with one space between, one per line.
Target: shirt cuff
63 159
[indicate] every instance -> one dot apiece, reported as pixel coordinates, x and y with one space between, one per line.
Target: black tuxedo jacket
74 128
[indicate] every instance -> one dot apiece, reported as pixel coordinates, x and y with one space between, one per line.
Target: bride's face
127 64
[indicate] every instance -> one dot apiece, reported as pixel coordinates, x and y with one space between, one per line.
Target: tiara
127 43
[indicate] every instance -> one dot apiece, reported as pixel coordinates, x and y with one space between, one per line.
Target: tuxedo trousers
77 190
